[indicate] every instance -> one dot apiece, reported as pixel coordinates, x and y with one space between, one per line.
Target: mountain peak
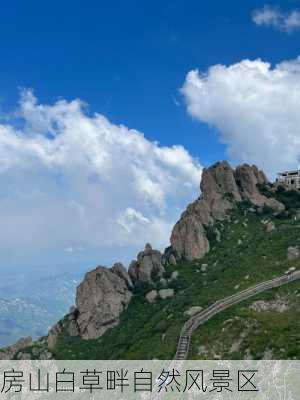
222 187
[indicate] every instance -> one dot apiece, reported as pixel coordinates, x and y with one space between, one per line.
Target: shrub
264 189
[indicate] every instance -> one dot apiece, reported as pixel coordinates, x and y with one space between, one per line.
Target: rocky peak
218 182
248 177
222 188
147 265
103 294
100 298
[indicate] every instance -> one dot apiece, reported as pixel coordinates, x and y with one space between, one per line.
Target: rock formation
104 294
222 188
10 352
100 299
147 266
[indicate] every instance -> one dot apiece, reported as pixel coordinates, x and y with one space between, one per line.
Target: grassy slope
151 331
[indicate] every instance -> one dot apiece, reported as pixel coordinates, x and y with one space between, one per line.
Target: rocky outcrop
188 237
68 324
9 353
104 294
147 266
119 269
248 177
100 299
219 188
222 188
278 305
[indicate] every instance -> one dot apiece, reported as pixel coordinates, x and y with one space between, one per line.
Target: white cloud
71 181
254 107
130 219
273 16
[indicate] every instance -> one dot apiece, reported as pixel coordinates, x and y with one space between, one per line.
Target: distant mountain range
30 309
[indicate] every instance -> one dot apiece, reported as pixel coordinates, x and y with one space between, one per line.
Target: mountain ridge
105 294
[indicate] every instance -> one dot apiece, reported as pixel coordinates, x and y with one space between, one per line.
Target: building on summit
289 178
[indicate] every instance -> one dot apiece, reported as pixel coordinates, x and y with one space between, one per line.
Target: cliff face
222 187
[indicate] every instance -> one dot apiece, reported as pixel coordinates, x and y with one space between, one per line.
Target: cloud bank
255 108
274 17
75 183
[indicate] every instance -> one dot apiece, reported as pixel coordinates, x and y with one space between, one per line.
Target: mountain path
200 318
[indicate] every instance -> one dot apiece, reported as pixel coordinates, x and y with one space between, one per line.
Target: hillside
151 331
252 236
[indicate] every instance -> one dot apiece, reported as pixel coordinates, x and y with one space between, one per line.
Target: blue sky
128 59
129 62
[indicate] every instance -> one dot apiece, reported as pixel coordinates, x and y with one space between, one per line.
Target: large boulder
293 253
100 299
166 293
147 267
189 239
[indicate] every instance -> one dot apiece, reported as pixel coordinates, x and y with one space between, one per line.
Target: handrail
193 323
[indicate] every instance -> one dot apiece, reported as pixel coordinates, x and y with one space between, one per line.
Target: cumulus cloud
76 183
255 108
274 17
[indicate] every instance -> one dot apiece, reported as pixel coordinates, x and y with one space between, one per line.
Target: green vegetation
290 198
243 332
246 255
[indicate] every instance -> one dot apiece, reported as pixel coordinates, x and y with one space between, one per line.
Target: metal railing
195 321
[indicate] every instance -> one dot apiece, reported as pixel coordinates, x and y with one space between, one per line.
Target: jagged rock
147 266
218 188
248 177
193 310
222 188
119 269
166 293
10 352
100 299
151 296
293 253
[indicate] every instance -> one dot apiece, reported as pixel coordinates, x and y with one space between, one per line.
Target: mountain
241 231
27 312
